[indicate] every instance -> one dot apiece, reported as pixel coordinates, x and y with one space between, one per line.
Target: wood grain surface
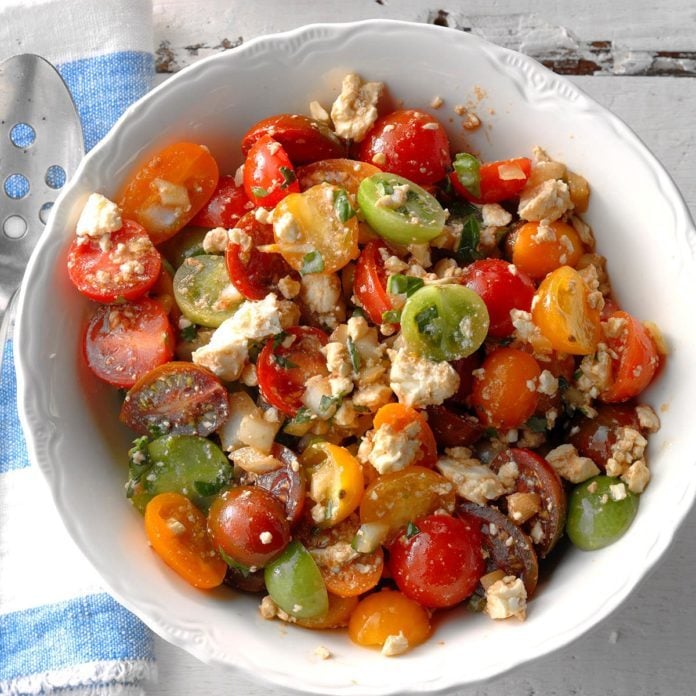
637 58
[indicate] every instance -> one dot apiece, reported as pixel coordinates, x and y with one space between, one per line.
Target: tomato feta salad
371 377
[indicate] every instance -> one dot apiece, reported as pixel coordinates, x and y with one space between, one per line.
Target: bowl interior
641 224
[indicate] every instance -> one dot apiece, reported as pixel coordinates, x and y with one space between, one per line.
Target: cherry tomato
304 139
636 363
345 173
337 615
409 143
465 369
165 193
227 204
177 397
502 287
125 270
370 284
283 370
453 427
124 342
388 613
287 483
268 173
255 273
176 530
399 417
505 394
163 292
248 524
498 181
438 561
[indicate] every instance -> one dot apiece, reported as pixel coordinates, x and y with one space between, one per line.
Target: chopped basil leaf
424 320
288 177
244 570
344 210
403 285
189 333
278 339
466 167
313 262
536 424
562 383
391 316
206 488
283 361
157 430
354 355
411 530
358 312
490 432
577 375
469 238
326 403
304 415
259 191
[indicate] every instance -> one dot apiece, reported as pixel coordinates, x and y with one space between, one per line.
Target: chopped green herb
404 285
424 320
411 530
562 383
283 361
466 167
359 312
344 210
244 570
326 403
536 424
278 339
313 262
157 430
467 249
354 355
189 333
259 191
361 409
304 415
208 488
476 603
490 432
288 177
391 316
577 375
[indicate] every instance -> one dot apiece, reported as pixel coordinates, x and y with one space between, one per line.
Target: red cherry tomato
283 370
440 562
227 204
288 483
370 284
124 270
453 427
268 173
256 273
124 342
304 139
495 186
465 369
637 361
410 143
502 287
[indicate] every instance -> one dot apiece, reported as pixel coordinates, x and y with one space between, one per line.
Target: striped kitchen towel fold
59 631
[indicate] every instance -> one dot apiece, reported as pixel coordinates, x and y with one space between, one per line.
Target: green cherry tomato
399 210
203 290
184 244
599 515
444 322
295 584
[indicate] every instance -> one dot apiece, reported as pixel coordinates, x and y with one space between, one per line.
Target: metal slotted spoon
40 147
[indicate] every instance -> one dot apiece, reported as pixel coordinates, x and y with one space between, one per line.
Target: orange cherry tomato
388 613
399 417
637 361
563 312
505 393
176 529
167 192
342 172
337 615
537 253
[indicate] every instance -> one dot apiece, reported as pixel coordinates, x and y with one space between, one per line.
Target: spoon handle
6 323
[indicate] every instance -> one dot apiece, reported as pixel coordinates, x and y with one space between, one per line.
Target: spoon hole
44 212
55 176
14 227
22 135
16 186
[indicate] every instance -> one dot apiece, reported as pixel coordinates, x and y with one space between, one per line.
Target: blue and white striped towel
59 631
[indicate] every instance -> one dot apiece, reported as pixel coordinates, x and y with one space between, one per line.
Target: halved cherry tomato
337 616
248 524
370 284
388 614
165 193
505 393
409 143
255 273
304 139
176 529
499 181
399 497
399 417
564 314
465 369
227 204
637 361
453 427
342 172
163 292
502 287
283 370
438 561
537 250
336 482
268 173
177 397
122 343
288 483
124 270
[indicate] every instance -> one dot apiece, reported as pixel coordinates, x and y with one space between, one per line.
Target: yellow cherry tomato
337 615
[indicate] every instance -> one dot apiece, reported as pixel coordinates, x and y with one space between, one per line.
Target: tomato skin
409 145
268 173
124 342
440 565
636 364
502 288
283 387
181 164
97 273
452 427
288 483
399 417
370 284
494 189
342 172
249 525
227 204
255 273
304 139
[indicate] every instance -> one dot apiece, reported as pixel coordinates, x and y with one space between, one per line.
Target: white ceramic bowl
642 225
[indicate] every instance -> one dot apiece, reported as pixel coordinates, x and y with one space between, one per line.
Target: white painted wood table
636 57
